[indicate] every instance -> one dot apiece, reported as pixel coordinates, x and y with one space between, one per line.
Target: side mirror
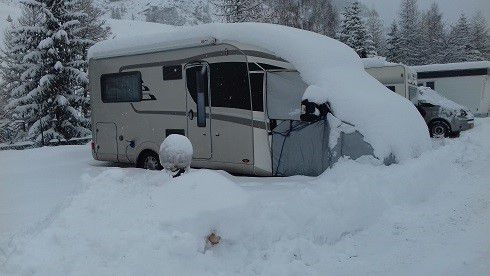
313 112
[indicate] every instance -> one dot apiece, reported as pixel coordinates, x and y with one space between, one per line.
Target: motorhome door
198 109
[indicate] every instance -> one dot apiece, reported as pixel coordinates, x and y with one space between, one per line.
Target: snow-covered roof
126 49
377 61
333 71
452 66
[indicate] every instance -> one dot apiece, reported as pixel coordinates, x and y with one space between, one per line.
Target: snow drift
333 71
426 216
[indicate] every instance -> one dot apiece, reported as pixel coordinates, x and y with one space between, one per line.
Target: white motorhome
396 77
466 83
239 105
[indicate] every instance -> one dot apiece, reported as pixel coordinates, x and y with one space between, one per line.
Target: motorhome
238 104
396 77
466 83
444 118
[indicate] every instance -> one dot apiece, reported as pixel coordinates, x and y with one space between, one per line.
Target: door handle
190 114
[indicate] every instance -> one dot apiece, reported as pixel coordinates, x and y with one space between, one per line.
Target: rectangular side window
172 72
121 87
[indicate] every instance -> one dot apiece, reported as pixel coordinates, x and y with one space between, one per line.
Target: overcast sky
388 9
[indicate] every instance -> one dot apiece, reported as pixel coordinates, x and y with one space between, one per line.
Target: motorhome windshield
285 91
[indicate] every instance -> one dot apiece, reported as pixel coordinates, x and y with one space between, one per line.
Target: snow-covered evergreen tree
375 27
92 28
353 31
410 34
233 11
50 53
19 74
433 40
393 44
460 44
480 36
320 16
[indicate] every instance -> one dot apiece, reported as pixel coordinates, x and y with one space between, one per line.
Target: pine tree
410 35
52 92
375 27
234 11
393 47
480 37
461 48
433 36
92 29
20 75
353 31
320 16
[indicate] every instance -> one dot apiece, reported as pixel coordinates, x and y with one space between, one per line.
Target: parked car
444 117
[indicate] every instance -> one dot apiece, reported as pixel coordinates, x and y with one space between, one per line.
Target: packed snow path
62 213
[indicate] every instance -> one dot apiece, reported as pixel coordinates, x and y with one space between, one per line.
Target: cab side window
229 85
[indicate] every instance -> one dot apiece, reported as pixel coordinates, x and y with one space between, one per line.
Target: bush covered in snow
176 153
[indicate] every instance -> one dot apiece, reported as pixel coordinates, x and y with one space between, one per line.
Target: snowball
176 152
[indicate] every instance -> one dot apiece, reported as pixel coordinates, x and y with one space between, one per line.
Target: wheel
149 161
439 129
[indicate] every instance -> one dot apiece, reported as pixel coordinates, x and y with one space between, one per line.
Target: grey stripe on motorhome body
220 117
200 57
452 73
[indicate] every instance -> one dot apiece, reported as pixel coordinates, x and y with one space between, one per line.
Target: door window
229 85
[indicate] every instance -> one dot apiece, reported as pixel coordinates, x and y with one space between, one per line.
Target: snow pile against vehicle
333 71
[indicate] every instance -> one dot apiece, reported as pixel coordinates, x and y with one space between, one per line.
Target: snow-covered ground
62 213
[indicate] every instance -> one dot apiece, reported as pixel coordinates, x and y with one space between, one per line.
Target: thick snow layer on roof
334 72
376 62
452 66
121 28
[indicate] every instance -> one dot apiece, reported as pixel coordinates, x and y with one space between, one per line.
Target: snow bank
452 66
426 216
333 70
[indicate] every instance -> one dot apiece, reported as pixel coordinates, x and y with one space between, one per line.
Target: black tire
439 129
149 160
